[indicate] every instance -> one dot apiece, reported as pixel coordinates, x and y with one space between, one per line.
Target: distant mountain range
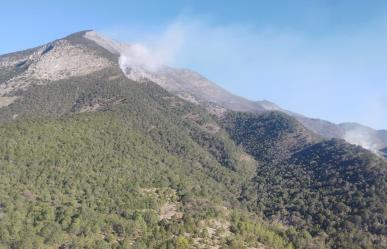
101 146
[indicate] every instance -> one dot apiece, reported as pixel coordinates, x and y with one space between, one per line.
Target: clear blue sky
325 59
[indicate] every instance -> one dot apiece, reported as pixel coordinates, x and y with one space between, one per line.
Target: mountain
304 181
271 136
184 83
197 89
91 159
94 154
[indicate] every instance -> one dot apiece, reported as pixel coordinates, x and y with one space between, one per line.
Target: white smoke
153 54
293 68
376 112
362 138
137 55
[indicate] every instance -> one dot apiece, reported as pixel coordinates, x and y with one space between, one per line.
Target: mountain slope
139 66
60 59
186 84
197 89
92 159
92 180
270 136
330 188
100 161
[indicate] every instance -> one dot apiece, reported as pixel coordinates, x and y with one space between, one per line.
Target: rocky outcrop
55 61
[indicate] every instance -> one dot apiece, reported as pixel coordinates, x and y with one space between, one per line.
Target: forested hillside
91 159
94 181
104 162
334 190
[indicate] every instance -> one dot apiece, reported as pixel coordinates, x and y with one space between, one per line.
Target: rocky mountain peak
57 60
114 47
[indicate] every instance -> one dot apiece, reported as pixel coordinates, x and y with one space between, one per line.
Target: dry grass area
189 98
216 110
213 232
246 158
99 104
169 209
5 101
260 246
211 128
173 101
195 117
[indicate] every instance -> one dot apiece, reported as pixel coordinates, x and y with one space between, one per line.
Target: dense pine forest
331 188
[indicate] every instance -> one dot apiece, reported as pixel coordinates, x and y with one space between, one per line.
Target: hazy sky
325 59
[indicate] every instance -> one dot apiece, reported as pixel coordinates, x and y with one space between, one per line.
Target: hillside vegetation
334 190
100 161
87 164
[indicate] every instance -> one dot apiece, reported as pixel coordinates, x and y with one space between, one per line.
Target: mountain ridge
197 89
93 159
185 83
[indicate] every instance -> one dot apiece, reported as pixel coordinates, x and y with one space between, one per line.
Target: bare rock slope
57 60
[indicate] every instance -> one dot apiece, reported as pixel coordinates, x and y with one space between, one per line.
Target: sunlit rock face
58 60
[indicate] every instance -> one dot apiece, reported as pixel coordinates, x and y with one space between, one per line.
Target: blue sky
325 59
